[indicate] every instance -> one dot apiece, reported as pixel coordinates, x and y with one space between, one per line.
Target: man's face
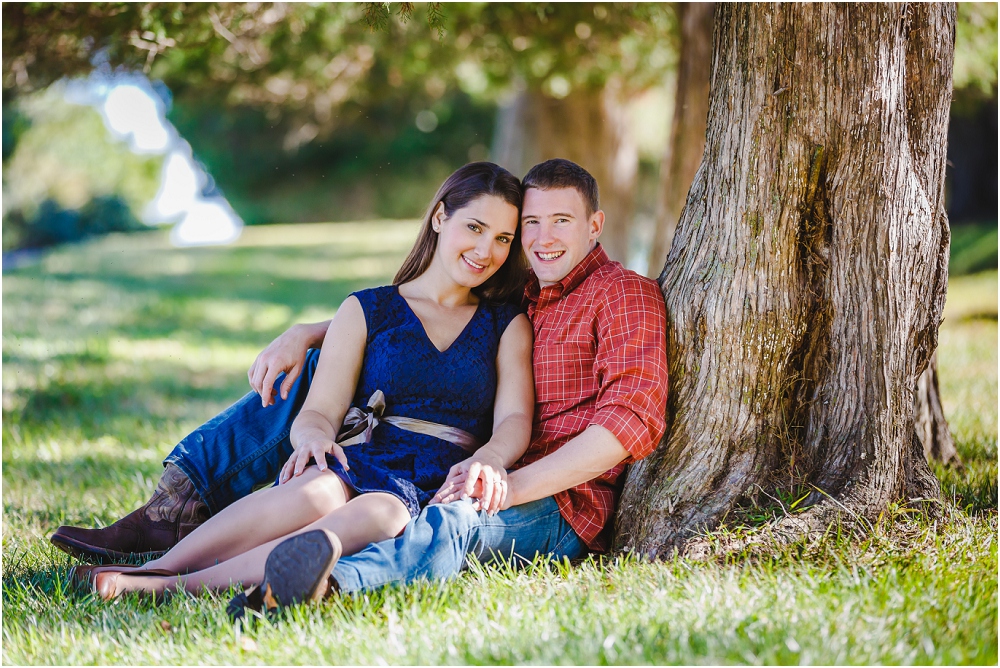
556 231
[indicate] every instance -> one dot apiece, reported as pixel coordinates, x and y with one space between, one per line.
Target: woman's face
474 241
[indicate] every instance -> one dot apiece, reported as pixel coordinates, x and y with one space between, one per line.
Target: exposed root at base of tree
829 519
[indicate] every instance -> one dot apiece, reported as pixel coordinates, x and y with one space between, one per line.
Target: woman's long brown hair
474 180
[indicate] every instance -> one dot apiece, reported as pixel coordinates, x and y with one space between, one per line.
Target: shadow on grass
290 291
94 405
181 306
973 489
106 472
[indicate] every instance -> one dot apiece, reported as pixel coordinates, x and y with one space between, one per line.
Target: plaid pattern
599 358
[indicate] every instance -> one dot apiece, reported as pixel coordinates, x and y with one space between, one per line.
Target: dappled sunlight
326 270
237 315
387 236
200 356
967 356
129 335
320 252
967 367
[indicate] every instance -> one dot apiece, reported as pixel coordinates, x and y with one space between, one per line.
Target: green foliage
377 14
116 348
66 177
976 50
44 41
51 224
376 163
973 248
550 46
304 61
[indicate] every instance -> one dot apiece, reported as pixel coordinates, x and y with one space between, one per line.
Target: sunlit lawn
115 349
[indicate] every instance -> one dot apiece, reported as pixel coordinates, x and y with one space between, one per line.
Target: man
600 379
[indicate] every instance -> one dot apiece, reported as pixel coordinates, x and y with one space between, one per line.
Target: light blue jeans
246 445
436 543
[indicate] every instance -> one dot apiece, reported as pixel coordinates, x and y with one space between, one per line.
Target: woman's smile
474 266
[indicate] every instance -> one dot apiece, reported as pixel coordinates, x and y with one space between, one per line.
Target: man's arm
583 458
286 354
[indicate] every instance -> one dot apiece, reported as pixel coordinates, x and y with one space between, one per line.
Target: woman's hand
313 448
481 477
286 354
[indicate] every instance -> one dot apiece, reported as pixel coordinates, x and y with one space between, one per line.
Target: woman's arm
315 429
512 413
286 354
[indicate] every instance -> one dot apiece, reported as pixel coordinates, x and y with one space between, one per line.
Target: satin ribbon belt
360 422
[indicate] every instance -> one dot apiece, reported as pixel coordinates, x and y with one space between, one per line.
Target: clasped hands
481 477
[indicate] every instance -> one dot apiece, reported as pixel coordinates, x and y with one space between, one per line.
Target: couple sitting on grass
391 449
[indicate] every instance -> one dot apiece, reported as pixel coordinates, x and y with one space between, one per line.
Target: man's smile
550 255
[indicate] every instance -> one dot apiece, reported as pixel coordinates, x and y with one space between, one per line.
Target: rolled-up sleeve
631 365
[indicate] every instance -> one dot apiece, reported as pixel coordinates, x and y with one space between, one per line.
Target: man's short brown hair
562 173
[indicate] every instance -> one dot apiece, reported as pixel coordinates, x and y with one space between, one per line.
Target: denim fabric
245 446
435 544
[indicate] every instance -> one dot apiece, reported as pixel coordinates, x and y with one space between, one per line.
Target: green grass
115 349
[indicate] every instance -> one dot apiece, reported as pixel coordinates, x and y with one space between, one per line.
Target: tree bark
929 421
686 142
588 127
806 282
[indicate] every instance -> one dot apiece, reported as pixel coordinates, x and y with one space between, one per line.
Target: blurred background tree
350 111
972 141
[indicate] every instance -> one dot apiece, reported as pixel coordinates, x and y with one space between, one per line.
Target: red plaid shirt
599 358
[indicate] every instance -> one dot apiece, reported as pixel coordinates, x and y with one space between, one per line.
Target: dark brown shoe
174 511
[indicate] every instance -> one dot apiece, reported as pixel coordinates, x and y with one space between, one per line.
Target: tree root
829 519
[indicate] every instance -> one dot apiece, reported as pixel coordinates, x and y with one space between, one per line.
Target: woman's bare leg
259 518
367 518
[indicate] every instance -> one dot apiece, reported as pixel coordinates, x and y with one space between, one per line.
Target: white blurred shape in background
207 221
135 116
134 113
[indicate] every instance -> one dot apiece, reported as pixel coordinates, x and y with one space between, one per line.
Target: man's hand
314 448
286 354
481 477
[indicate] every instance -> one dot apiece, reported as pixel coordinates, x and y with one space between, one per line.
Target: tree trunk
806 282
588 127
929 421
686 142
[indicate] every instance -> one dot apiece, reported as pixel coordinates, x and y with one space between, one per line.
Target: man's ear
596 224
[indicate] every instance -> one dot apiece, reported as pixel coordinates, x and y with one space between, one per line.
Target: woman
449 357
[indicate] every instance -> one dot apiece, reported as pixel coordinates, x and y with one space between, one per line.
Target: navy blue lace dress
455 387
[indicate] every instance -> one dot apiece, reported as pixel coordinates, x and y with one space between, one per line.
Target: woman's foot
110 583
86 574
297 571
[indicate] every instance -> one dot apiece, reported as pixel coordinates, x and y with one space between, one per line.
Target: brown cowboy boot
174 511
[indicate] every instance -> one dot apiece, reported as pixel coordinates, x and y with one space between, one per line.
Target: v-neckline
424 329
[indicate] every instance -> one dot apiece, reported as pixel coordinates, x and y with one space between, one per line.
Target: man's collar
593 261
